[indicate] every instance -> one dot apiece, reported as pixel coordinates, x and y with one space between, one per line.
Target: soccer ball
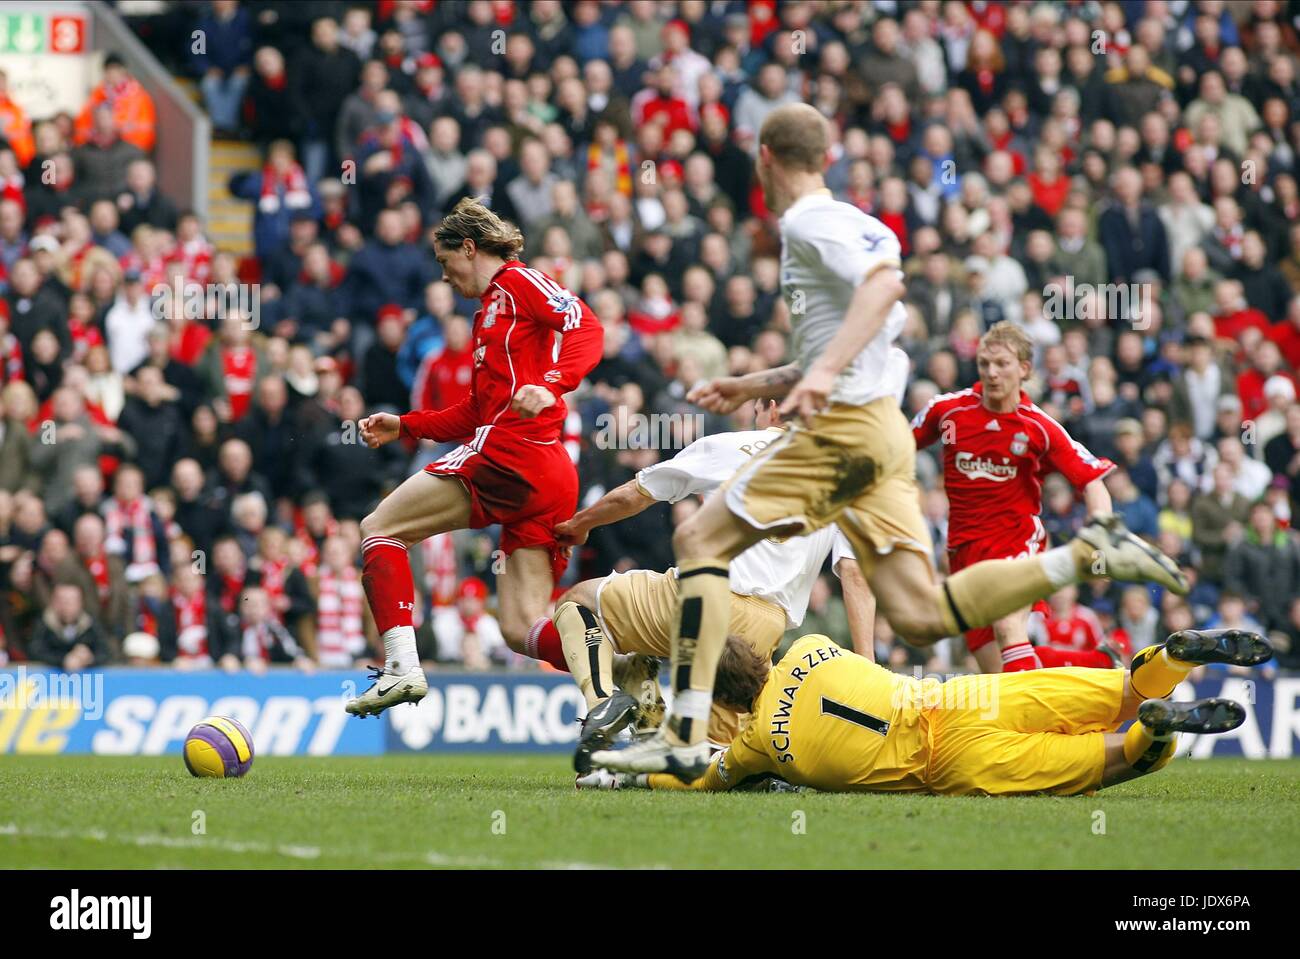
218 747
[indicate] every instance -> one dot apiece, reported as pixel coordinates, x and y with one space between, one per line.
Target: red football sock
543 643
386 577
1019 657
1092 658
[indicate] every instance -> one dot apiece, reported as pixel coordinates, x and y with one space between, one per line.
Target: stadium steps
230 220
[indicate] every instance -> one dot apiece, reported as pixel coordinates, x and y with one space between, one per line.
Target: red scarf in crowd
153 271
440 568
311 558
899 132
256 642
196 256
11 359
238 370
11 188
340 635
97 566
231 587
191 624
84 336
1231 239
291 182
135 517
273 578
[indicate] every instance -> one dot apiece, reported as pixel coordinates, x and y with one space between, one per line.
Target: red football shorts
976 551
526 487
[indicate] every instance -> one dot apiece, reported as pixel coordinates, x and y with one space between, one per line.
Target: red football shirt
444 379
1081 629
515 345
993 464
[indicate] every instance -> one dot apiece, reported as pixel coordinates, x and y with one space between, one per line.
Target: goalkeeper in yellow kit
826 718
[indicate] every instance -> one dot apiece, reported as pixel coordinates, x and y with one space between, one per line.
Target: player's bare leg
923 611
705 544
524 595
1011 650
422 506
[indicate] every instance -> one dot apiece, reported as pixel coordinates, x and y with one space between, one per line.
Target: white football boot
389 689
1118 554
655 754
604 779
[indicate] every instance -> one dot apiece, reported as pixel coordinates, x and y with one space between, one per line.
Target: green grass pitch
522 812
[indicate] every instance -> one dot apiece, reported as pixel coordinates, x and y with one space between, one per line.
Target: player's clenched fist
570 533
723 395
531 400
810 396
379 428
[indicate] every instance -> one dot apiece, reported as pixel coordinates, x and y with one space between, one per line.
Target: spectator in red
341 606
230 367
132 528
189 600
1048 183
1233 315
1069 634
1265 363
445 377
1287 334
660 104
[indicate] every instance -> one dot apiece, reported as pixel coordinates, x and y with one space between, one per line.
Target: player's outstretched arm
727 393
618 504
1096 499
451 423
865 317
860 604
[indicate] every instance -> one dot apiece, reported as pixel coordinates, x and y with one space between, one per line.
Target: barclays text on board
148 712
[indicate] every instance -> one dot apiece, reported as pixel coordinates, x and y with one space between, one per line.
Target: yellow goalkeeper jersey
830 720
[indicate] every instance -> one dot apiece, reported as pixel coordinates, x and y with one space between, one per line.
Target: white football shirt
827 249
779 572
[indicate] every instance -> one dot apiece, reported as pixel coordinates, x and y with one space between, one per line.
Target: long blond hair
471 220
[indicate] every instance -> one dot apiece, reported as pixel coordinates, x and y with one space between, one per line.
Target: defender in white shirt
853 463
608 625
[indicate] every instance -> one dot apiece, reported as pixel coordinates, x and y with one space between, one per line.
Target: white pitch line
167 842
431 858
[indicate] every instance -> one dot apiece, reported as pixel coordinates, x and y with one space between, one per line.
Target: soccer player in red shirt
1072 635
512 468
997 446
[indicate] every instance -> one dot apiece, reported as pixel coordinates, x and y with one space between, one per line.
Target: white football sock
399 649
1060 566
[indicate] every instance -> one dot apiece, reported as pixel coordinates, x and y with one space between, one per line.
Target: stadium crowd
181 482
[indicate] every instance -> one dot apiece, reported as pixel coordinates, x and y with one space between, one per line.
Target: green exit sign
23 33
